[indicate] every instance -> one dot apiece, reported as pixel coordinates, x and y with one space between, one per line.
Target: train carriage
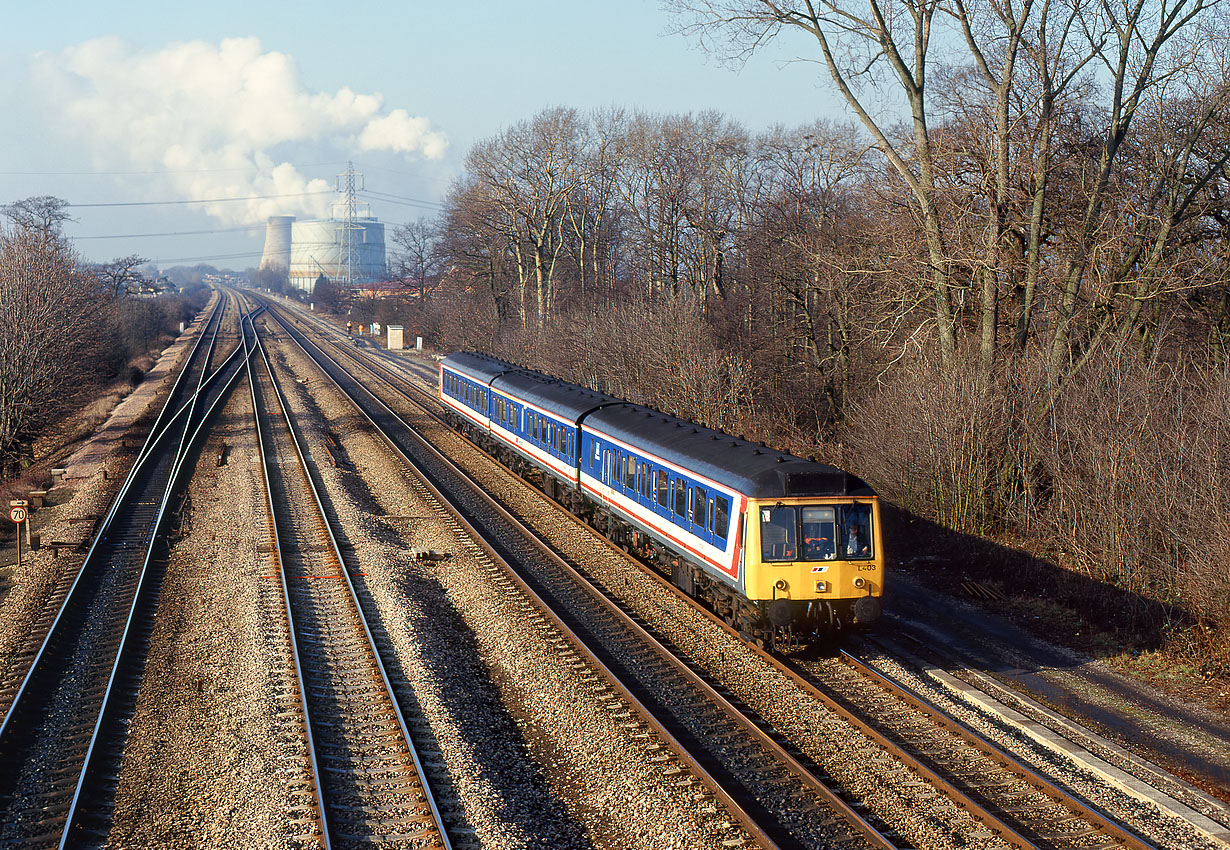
465 382
538 418
780 546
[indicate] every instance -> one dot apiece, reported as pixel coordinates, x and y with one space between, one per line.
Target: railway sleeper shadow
504 757
505 764
680 725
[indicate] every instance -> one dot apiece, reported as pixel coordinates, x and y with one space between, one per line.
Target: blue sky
150 102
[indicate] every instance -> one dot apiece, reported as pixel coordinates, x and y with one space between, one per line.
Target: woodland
996 287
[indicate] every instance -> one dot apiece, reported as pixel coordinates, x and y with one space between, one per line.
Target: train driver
856 540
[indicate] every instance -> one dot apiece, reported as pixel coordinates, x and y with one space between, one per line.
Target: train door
697 512
662 492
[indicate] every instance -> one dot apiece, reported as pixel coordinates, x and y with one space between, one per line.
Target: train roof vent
756 451
834 482
781 459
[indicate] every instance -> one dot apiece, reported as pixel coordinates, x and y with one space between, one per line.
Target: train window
663 488
710 525
681 497
819 533
855 540
721 516
777 533
630 474
698 506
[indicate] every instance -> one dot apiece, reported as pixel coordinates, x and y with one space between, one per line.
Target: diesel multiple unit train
787 550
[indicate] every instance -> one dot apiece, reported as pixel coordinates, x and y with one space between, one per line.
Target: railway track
65 723
1005 796
368 780
1009 801
783 799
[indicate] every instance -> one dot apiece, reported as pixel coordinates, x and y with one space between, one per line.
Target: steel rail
215 323
138 468
353 596
681 750
276 552
1014 766
188 441
977 811
72 608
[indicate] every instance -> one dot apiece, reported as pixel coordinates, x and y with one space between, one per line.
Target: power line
240 229
384 197
246 169
160 261
200 201
403 173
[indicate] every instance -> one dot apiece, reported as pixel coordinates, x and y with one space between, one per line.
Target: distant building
318 247
277 242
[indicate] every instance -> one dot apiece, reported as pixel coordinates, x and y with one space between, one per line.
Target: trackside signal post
18 514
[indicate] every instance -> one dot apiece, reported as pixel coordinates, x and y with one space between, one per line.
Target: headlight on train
781 584
860 582
822 587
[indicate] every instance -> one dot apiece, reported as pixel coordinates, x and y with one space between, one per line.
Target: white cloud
220 119
399 131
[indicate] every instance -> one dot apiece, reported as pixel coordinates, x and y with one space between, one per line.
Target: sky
174 131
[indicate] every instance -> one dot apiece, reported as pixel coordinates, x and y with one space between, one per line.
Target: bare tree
47 306
43 215
529 173
118 274
418 257
1137 58
875 45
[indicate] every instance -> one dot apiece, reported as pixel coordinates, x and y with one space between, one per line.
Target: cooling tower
277 242
316 248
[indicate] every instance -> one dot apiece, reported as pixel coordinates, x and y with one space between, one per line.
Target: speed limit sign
17 514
